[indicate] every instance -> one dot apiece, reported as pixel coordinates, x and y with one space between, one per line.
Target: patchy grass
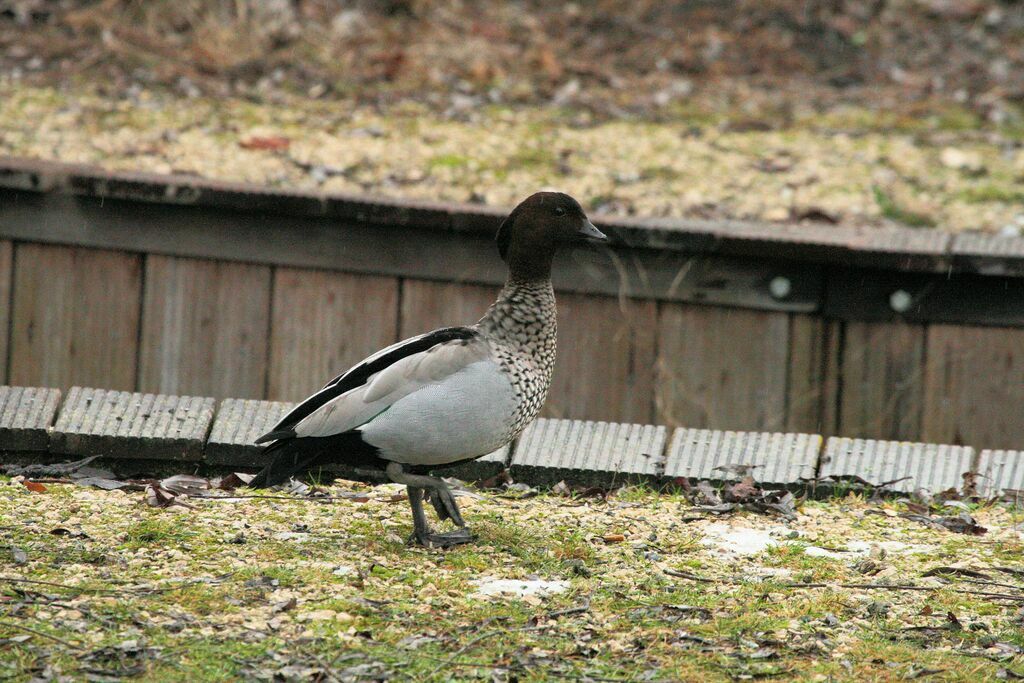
983 194
300 589
854 166
448 161
893 211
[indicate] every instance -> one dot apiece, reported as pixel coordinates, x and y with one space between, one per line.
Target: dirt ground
857 112
636 585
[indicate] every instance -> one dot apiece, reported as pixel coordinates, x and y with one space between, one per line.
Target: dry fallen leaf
157 497
614 538
271 142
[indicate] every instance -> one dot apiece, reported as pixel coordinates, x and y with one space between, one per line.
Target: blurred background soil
611 56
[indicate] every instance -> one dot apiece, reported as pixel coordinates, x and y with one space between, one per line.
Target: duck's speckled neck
521 327
524 316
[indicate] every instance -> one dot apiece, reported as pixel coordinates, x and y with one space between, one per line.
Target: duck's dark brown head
533 232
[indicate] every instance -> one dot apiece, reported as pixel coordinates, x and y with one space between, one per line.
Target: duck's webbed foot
444 503
447 539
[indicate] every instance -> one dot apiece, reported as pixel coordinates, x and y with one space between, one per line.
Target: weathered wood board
75 317
974 379
322 324
594 453
806 386
832 345
26 415
120 424
722 368
429 305
6 280
770 458
606 357
882 380
903 466
204 327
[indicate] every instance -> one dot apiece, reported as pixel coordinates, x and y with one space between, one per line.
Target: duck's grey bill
589 231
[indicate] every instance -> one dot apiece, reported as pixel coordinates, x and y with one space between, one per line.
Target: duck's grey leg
442 499
420 526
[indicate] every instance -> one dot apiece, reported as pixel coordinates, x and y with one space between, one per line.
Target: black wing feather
358 374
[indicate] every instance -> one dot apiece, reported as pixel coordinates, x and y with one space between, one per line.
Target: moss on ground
257 588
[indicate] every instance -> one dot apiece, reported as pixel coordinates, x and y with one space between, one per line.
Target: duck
448 396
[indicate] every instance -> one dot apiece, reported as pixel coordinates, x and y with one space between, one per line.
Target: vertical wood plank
974 379
76 317
429 305
6 276
323 323
722 368
806 392
606 358
881 380
204 328
833 331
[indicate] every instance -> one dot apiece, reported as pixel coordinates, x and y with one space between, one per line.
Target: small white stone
518 588
962 160
739 540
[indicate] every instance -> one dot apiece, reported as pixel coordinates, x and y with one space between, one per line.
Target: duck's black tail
292 455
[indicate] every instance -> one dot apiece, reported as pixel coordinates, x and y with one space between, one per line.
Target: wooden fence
176 286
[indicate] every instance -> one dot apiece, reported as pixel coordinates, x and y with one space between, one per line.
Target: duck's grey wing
369 387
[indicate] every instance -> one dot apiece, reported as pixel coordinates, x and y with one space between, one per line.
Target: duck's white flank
461 416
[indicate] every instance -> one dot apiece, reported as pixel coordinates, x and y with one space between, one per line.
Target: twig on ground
473 641
692 577
314 499
136 590
40 633
11 579
579 609
863 586
904 587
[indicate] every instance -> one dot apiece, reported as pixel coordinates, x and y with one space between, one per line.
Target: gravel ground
846 166
639 585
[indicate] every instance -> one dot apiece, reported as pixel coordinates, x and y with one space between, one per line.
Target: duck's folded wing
370 387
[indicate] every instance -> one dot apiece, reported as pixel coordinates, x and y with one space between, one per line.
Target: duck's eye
559 211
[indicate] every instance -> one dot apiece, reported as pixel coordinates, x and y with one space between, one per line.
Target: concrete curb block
26 415
239 422
903 466
593 453
121 424
153 428
1001 473
774 459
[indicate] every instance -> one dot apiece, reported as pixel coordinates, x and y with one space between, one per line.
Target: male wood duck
450 395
